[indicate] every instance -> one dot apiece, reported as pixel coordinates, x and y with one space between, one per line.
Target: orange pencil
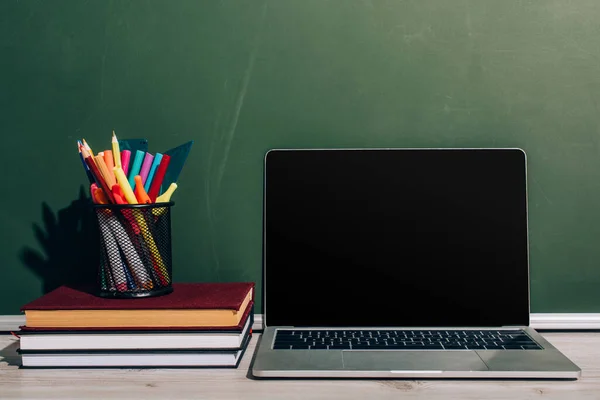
89 160
108 176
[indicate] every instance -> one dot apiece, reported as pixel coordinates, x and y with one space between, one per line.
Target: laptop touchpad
413 360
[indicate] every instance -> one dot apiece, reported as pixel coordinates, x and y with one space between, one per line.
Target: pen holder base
134 295
135 250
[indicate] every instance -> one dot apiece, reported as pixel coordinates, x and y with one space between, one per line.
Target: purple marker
146 167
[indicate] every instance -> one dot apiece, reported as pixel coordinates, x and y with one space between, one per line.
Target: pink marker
148 158
125 156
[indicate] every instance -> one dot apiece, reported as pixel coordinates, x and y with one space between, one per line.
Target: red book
198 305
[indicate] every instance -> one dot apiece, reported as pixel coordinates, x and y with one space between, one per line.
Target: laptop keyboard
404 340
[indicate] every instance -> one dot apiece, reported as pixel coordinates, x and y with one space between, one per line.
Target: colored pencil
98 176
109 177
116 151
87 169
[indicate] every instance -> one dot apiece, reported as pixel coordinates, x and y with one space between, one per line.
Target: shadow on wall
70 246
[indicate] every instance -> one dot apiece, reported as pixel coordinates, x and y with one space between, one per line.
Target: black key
531 347
413 345
299 347
476 346
285 333
339 346
518 342
517 337
285 345
362 347
493 347
379 346
319 346
511 347
433 346
455 347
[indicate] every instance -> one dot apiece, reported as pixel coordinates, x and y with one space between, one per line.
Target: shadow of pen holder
135 249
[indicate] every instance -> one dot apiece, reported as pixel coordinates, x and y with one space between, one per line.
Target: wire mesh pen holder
135 249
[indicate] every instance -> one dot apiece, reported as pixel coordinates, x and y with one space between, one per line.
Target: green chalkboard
240 77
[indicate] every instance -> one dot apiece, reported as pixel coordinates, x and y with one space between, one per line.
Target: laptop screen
396 238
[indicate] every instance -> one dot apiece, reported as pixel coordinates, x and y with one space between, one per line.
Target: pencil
96 172
116 151
108 176
87 169
87 147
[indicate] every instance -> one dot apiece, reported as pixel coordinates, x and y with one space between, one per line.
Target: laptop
399 263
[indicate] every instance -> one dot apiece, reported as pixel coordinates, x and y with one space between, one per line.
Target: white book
134 340
134 358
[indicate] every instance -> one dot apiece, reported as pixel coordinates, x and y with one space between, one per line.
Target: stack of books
197 325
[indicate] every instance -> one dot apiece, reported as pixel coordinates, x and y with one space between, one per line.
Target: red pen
159 175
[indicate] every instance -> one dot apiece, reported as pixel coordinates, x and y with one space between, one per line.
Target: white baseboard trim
566 321
258 322
11 322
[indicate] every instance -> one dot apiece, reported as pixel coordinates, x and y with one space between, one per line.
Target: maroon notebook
225 296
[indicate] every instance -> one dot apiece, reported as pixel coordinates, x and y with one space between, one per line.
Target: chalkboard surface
241 77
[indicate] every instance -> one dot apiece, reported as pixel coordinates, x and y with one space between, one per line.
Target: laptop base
548 363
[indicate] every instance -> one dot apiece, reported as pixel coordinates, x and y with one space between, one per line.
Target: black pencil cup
135 249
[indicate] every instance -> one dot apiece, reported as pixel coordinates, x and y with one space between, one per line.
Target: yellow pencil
124 183
87 147
116 150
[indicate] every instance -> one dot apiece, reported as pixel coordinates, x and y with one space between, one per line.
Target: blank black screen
406 237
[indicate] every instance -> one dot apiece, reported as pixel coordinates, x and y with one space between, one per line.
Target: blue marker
135 167
157 159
